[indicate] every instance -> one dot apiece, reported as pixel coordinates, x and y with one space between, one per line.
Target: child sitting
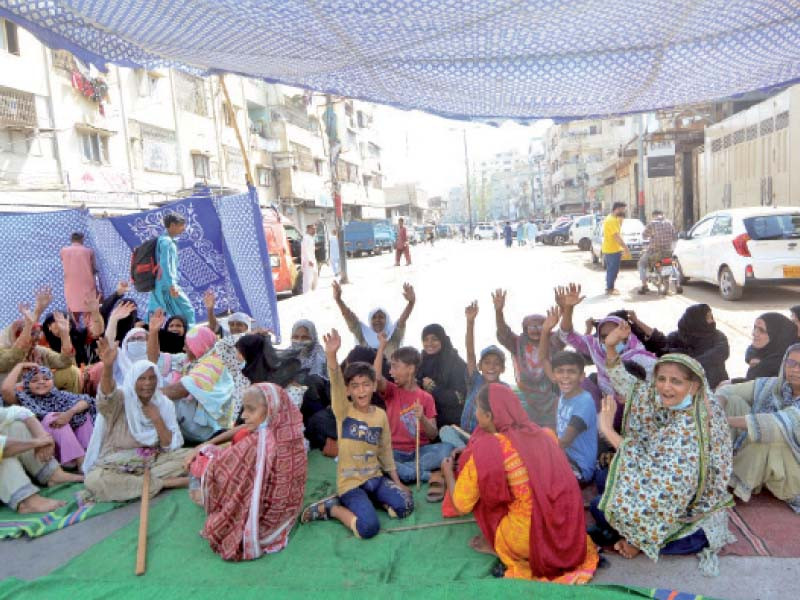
487 369
366 474
576 419
410 407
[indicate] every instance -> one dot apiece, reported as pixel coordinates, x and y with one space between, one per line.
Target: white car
742 247
580 233
484 231
631 232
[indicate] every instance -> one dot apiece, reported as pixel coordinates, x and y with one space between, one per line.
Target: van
360 238
580 233
281 258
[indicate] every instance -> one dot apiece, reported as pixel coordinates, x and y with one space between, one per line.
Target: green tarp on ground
322 559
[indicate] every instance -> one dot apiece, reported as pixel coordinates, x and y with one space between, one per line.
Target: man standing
532 232
79 275
661 236
613 245
333 242
508 234
308 258
401 245
167 294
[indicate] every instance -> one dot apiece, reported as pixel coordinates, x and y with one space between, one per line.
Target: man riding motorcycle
661 236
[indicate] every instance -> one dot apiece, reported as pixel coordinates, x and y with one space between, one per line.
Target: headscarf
370 335
634 352
438 366
253 490
694 327
199 340
126 359
78 336
140 427
55 401
782 334
773 395
558 527
240 317
170 342
449 371
262 363
670 474
311 357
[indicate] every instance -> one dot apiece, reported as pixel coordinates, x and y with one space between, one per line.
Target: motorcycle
662 275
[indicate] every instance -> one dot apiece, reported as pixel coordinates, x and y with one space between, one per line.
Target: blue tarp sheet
482 59
223 248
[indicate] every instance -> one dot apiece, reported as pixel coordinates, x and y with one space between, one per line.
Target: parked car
580 233
632 234
417 235
362 237
284 269
384 236
742 247
558 234
484 231
443 231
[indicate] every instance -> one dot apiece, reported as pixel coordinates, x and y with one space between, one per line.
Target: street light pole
334 148
469 195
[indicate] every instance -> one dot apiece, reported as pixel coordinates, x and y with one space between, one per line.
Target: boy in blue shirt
576 416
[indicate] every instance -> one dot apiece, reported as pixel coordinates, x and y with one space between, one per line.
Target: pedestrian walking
308 259
521 233
80 270
531 232
401 244
333 242
167 294
508 234
613 245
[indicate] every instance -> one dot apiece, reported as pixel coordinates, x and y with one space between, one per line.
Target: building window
302 157
15 141
94 147
8 37
149 85
201 165
229 114
263 176
191 93
159 149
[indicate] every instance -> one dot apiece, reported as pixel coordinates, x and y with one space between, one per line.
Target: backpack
144 266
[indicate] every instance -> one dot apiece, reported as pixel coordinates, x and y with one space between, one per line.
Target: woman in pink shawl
252 491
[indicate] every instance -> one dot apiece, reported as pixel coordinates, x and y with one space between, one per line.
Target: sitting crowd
659 427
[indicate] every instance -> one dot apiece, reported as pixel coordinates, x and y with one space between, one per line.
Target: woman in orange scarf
516 480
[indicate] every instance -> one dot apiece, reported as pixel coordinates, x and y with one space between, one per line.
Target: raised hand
44 296
471 312
92 302
210 299
499 299
553 316
617 335
62 323
572 295
157 319
123 287
337 291
25 311
605 418
106 351
408 292
123 310
332 342
382 340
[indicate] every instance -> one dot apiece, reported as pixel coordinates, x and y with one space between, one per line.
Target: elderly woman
378 321
666 491
517 482
67 417
764 415
135 428
773 333
305 342
253 490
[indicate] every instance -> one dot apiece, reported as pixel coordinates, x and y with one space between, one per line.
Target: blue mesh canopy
484 59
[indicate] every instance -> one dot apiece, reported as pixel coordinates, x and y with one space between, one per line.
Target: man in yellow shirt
613 245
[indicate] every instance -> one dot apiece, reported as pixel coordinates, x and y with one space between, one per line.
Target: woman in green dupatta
764 415
666 491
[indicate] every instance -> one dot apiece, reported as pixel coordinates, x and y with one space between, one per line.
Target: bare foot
38 504
196 496
479 544
61 476
626 549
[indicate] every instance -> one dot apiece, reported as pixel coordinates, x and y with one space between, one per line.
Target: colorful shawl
775 409
313 358
670 474
558 528
253 491
55 401
229 355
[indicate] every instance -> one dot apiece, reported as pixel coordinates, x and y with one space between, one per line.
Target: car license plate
666 271
793 272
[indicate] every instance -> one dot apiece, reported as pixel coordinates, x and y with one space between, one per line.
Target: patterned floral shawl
55 401
253 491
670 474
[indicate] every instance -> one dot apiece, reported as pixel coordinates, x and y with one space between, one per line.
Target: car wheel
559 240
584 245
728 288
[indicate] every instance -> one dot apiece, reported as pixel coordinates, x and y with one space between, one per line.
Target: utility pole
642 170
469 195
334 148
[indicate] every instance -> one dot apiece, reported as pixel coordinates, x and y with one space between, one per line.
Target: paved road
446 278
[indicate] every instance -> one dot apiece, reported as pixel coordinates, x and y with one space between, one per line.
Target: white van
580 233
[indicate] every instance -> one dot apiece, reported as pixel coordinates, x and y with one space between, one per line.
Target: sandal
319 510
436 488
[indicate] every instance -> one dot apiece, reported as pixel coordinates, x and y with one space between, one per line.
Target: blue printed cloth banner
223 248
484 59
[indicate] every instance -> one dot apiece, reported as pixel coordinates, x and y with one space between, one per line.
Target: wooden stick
461 431
429 525
416 453
144 513
235 122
